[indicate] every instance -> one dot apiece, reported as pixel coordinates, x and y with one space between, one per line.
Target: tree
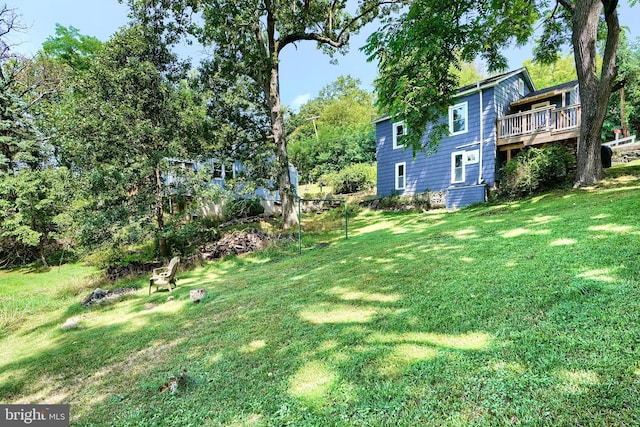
467 73
122 120
333 130
416 49
70 47
624 103
30 187
547 75
247 38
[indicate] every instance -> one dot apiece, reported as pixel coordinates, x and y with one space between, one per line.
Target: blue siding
574 97
462 196
433 173
507 91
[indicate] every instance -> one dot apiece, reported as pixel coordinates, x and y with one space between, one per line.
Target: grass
522 313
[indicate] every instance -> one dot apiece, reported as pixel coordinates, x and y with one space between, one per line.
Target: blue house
489 122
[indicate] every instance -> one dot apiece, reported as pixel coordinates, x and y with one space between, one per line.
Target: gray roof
564 87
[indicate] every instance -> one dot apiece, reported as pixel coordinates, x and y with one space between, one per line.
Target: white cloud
300 100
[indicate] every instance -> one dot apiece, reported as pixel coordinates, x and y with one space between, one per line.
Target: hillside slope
518 313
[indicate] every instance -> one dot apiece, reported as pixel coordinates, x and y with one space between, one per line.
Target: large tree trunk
287 192
594 90
159 211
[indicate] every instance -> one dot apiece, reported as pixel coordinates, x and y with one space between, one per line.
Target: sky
304 70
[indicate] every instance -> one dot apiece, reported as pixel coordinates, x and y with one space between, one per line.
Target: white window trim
404 181
521 87
453 167
466 118
395 136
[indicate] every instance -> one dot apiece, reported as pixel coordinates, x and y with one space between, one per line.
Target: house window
458 119
457 167
218 170
471 157
521 87
399 131
401 171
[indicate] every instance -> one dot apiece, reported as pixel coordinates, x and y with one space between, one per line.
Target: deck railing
547 119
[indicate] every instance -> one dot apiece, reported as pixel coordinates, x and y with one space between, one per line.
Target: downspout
481 136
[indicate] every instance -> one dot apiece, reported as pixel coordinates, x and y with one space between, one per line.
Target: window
471 157
458 119
399 130
401 170
218 170
521 87
457 167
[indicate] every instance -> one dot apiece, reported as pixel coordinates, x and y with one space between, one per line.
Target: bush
351 179
103 258
183 238
537 169
242 208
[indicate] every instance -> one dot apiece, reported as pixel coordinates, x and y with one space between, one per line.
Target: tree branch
608 73
567 5
342 38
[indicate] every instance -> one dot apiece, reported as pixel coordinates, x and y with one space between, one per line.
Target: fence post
299 225
346 221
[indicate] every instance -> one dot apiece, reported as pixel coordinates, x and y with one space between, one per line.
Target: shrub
537 169
183 237
353 178
103 258
242 208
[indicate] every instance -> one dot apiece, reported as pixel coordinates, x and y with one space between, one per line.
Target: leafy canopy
417 50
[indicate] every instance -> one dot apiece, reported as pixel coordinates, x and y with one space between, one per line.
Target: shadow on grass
450 319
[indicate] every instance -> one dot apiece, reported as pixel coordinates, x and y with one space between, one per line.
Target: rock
197 295
71 323
99 295
149 306
171 298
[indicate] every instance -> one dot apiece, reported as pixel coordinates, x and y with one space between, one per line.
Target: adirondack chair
165 276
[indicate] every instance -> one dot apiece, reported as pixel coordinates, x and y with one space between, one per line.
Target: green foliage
397 202
117 125
537 169
341 115
242 208
105 257
70 47
32 203
467 73
247 39
351 179
628 79
546 75
418 51
183 238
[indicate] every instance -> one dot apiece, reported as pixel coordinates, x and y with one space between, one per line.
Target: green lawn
523 313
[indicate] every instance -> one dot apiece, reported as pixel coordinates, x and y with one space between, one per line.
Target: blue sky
304 69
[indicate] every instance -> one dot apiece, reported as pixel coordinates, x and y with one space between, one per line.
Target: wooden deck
540 126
